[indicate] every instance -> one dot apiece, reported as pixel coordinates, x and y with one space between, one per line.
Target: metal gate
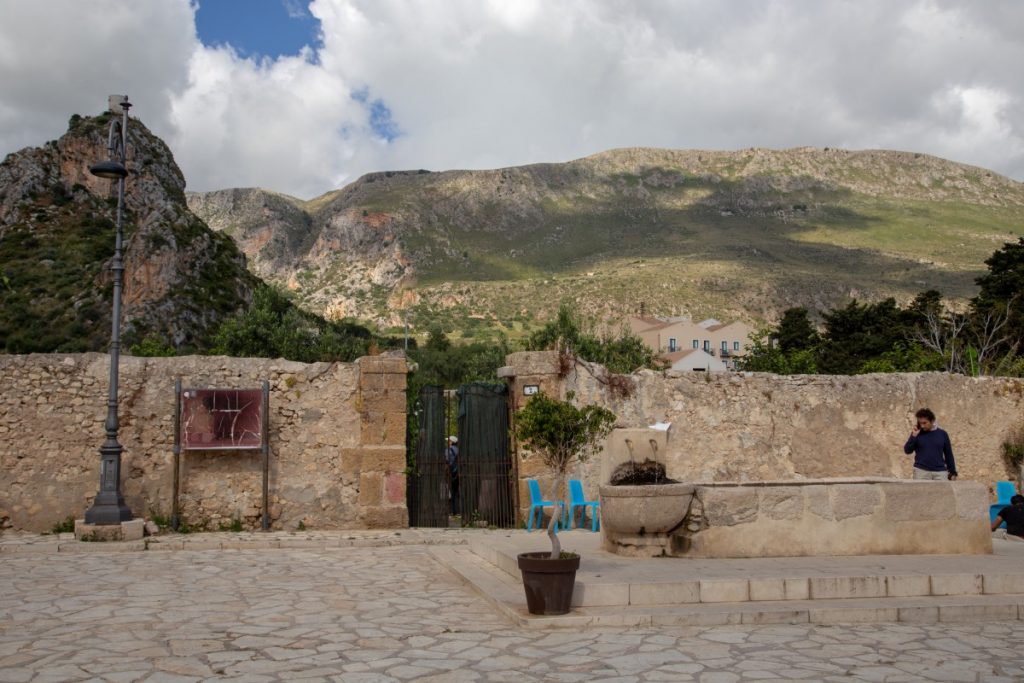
486 472
428 495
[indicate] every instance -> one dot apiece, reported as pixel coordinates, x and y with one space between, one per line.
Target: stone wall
337 441
759 427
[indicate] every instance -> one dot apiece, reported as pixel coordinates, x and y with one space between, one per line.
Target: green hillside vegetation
743 234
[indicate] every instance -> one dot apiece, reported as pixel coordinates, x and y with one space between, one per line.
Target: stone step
604 582
506 595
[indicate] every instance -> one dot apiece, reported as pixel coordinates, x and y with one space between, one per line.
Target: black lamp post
109 506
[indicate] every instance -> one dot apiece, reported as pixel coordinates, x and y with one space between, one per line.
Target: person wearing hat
452 456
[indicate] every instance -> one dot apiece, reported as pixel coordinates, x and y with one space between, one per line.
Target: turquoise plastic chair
1005 490
537 504
578 500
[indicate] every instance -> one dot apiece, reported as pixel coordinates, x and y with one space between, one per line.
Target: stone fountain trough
789 518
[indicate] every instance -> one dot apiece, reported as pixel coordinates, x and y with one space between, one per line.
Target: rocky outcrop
56 238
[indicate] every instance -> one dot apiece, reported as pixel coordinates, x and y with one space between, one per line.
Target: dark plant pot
548 583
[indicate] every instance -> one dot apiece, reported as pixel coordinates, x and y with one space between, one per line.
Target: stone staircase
613 591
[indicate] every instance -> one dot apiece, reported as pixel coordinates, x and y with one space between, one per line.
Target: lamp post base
102 513
109 507
132 530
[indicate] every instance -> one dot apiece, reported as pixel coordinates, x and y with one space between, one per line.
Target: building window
671 344
735 346
696 343
707 345
725 346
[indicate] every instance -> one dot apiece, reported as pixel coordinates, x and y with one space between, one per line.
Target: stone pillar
381 452
527 372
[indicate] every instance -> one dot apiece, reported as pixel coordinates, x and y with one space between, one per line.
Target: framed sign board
221 419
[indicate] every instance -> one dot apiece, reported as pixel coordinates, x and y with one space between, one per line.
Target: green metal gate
485 480
487 473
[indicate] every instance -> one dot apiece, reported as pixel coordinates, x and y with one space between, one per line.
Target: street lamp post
109 506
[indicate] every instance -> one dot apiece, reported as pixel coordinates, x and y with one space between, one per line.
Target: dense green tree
621 353
765 356
858 333
273 327
795 331
1001 293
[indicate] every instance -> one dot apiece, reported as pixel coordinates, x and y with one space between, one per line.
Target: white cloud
480 84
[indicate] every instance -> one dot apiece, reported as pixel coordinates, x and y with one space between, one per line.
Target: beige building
724 341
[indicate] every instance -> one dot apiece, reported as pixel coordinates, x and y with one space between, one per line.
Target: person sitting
1013 515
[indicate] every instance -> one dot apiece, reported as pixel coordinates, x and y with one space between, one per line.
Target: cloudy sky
303 97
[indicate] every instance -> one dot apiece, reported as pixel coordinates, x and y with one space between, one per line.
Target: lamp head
109 169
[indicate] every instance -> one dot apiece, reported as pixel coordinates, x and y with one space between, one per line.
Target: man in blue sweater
933 453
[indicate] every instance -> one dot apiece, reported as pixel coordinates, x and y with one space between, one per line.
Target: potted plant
560 434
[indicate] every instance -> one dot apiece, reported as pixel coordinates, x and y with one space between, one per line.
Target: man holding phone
933 452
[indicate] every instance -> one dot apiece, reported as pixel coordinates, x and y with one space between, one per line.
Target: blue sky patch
381 122
258 28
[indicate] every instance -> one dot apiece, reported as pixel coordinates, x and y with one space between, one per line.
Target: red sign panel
221 419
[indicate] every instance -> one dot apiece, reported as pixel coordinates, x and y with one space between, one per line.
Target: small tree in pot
561 434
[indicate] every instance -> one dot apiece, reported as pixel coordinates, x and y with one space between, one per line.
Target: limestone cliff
708 233
57 237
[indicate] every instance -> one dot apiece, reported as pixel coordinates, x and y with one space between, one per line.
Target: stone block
370 486
382 459
797 589
394 489
383 401
853 615
924 500
956 584
956 613
725 590
855 500
819 502
778 589
382 365
393 517
676 593
371 381
907 585
796 616
351 462
380 428
782 502
843 587
131 530
600 594
729 506
767 589
918 615
396 383
1003 584
972 499
533 363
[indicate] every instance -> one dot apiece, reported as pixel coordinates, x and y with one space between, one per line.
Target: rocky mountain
57 237
725 234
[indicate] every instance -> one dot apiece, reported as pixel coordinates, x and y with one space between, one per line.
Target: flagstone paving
376 615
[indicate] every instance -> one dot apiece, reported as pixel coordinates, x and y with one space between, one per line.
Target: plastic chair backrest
535 496
1004 491
576 491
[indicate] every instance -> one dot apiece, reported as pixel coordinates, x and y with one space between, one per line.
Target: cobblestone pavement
368 615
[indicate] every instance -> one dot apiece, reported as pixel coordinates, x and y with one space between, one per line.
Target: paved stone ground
368 615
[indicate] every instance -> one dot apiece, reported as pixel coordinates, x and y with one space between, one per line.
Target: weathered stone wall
760 427
337 441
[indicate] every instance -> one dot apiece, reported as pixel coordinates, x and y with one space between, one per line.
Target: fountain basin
792 518
637 520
